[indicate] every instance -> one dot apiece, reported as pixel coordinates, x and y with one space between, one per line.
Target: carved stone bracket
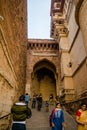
62 30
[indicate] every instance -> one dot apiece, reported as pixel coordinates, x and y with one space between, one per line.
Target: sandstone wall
13 39
69 30
77 55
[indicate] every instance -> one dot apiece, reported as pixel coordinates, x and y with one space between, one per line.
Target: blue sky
39 19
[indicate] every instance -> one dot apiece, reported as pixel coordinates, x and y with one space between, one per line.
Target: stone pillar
81 19
66 71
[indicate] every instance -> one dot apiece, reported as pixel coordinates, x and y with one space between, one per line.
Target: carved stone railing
67 91
67 95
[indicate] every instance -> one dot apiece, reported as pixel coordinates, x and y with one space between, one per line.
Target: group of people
57 121
20 112
57 118
37 100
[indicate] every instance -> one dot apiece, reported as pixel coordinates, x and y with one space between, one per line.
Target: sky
39 19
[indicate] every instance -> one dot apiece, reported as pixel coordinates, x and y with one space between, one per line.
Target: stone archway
42 55
44 79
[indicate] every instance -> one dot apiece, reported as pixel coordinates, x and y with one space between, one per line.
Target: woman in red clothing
81 117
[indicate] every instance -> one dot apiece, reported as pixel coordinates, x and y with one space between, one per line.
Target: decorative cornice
78 6
45 54
46 41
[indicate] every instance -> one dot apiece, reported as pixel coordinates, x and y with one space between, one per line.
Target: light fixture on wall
70 64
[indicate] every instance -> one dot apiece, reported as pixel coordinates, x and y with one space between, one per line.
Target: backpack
51 116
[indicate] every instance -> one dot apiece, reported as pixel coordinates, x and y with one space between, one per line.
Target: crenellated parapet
43 47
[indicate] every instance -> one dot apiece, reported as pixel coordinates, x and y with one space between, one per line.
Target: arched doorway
44 79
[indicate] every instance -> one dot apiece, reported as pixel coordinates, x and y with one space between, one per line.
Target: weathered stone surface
64 59
13 45
73 47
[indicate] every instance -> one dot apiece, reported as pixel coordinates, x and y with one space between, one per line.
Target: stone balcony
67 95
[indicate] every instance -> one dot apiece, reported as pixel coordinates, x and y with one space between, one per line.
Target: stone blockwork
13 39
42 57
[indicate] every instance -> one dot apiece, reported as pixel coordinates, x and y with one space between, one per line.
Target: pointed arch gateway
43 79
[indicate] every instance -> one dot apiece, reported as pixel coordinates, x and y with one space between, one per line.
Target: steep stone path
39 121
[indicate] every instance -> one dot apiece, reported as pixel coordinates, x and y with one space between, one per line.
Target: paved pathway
39 121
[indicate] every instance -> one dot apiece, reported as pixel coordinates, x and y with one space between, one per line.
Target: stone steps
39 120
42 128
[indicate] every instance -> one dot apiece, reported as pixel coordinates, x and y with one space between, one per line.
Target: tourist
51 97
27 98
34 99
46 106
81 117
39 102
20 112
51 102
57 118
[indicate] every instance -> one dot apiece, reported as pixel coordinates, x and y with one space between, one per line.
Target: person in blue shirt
57 118
26 98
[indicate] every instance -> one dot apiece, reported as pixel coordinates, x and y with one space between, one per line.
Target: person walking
39 102
57 118
20 112
51 102
81 117
46 106
34 99
26 98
